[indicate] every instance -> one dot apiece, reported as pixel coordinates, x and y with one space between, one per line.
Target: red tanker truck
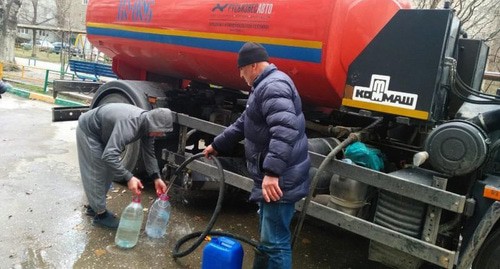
404 82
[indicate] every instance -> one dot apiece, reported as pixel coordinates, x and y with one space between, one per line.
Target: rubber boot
261 259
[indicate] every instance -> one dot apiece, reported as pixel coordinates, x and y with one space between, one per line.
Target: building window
43 33
85 2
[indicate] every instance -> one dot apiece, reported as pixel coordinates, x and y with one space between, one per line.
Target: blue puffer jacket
273 127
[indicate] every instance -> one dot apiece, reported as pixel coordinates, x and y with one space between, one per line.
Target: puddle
114 249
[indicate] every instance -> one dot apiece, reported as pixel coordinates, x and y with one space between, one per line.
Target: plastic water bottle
158 217
129 228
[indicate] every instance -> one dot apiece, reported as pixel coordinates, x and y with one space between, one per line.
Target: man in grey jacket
101 136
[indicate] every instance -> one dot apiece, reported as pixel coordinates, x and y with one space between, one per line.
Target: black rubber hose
190 236
202 235
489 121
352 138
208 230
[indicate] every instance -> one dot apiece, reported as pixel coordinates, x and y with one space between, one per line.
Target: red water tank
314 41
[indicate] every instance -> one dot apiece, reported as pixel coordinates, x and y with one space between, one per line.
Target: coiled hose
208 230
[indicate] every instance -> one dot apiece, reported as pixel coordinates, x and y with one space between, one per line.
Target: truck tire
130 156
488 255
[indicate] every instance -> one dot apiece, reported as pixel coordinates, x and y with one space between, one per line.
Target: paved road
38 63
42 203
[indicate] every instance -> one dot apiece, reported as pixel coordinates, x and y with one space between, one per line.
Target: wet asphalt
43 224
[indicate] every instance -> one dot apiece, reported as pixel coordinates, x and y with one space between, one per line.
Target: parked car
27 45
44 45
59 46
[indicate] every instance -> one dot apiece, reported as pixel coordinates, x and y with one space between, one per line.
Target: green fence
49 78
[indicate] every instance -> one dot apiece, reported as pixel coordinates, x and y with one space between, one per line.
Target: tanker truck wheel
130 156
488 255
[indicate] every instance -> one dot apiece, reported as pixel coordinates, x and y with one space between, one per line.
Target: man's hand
270 189
209 151
135 185
160 186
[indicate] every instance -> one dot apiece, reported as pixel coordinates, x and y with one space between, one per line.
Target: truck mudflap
73 86
490 218
68 113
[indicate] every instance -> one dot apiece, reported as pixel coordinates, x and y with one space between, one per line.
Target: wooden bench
90 71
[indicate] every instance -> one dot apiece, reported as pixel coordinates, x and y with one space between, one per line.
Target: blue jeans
275 237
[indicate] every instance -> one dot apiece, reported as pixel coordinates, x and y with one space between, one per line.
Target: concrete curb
42 97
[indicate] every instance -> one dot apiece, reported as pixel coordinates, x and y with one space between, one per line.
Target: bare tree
431 4
8 28
480 20
62 15
33 22
31 13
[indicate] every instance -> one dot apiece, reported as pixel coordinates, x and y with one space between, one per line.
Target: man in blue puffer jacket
273 127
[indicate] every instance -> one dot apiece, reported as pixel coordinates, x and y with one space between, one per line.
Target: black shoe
107 220
89 211
261 259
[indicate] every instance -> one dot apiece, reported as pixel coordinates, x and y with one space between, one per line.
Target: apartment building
53 18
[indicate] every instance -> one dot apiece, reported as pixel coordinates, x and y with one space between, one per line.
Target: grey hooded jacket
116 125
